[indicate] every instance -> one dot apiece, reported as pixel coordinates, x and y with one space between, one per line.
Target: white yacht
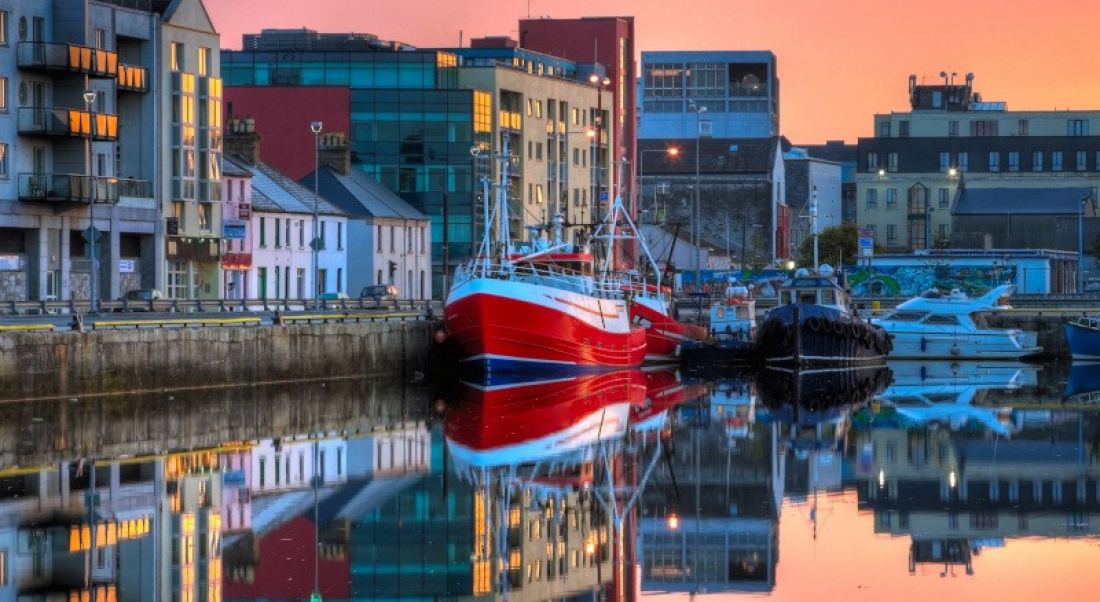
952 325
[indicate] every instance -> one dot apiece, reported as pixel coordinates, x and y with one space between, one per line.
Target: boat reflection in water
556 469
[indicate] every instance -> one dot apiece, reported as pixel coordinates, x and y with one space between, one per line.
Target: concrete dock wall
72 363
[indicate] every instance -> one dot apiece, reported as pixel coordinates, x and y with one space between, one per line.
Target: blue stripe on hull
493 371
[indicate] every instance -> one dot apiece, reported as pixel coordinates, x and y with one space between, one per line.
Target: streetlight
698 110
597 127
671 151
91 234
315 245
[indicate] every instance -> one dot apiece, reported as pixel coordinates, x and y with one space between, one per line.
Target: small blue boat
1083 335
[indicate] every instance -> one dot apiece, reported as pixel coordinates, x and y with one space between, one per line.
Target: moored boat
813 326
545 309
732 332
1083 336
651 308
953 325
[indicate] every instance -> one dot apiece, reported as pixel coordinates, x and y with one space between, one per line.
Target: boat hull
984 345
664 335
1084 342
502 326
822 336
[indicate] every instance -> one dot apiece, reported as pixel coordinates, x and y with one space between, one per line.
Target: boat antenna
813 223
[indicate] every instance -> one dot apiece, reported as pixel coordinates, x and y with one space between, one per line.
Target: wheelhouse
815 291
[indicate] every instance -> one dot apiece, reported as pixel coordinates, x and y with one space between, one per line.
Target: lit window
204 61
175 55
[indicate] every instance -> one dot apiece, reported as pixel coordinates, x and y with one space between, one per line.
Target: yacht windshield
905 316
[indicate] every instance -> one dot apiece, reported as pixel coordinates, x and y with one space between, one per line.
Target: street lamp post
672 151
695 234
315 245
92 234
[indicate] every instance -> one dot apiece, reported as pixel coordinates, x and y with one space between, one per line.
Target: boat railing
1087 322
553 276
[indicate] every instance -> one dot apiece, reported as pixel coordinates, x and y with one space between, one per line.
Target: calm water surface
955 481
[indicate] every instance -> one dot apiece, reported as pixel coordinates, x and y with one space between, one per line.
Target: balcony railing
79 188
132 78
67 122
739 89
67 57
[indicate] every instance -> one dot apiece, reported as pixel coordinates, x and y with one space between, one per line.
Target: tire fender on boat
813 323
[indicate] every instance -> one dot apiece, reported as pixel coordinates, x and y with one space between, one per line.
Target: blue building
738 89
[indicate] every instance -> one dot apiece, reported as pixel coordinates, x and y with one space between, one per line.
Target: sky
840 61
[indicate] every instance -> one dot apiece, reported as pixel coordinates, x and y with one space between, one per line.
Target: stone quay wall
53 364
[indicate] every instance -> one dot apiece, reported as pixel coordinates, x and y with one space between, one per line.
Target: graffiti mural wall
907 281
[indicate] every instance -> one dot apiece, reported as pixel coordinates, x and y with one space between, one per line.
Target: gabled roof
189 13
274 192
716 156
1035 201
360 195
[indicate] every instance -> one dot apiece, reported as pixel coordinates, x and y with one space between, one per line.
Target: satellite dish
825 269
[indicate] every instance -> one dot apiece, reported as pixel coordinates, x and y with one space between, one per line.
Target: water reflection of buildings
709 520
958 492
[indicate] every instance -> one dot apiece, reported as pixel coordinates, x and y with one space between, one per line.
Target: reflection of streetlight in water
673 521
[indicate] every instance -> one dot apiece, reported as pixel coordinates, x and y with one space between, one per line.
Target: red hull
484 327
664 334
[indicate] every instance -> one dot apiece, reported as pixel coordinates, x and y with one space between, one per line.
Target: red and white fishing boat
651 308
547 309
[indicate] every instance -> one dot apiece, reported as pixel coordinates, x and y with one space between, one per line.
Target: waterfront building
608 41
409 124
281 222
811 178
847 155
67 158
389 241
556 122
728 103
912 172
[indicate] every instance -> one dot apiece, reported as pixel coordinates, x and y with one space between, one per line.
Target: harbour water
947 480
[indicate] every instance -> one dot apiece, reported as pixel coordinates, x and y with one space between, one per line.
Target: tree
834 241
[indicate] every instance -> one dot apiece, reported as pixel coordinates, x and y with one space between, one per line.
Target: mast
813 224
502 199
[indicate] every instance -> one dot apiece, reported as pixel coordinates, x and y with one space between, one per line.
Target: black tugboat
814 327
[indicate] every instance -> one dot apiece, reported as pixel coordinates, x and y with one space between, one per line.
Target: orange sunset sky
840 61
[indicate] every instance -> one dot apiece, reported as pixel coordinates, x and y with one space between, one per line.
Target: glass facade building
411 127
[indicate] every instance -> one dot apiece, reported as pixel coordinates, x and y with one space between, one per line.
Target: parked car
138 299
379 293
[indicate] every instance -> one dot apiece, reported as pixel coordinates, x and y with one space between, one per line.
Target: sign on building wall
11 263
233 229
127 266
866 242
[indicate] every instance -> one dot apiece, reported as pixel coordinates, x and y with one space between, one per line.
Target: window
206 217
1077 127
1013 161
3 160
892 161
278 459
953 127
884 129
937 99
872 161
100 39
891 234
944 202
1037 161
903 129
4 94
1056 161
421 240
393 237
263 465
1082 160
378 279
941 231
321 234
945 161
3 28
204 61
175 55
983 128
301 234
994 161
872 198
278 233
964 161
263 232
1021 127
891 198
339 236
941 319
286 236
379 237
339 280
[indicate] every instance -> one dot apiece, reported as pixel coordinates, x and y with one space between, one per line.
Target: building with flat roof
912 170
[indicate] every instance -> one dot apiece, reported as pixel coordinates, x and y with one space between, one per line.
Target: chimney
335 152
242 140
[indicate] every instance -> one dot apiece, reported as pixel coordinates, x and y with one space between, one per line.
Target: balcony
79 188
67 122
132 78
46 56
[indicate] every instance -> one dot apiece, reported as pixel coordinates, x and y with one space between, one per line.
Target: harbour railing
606 286
56 307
